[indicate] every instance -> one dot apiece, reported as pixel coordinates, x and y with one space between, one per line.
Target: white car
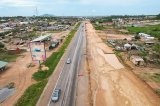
56 95
68 61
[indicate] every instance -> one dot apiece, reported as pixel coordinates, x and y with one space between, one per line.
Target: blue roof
2 64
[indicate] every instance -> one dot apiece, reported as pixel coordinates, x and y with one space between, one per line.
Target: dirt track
111 83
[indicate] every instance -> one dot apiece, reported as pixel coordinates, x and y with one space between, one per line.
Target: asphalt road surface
68 77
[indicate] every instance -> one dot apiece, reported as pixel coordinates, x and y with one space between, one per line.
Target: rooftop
2 64
137 58
41 38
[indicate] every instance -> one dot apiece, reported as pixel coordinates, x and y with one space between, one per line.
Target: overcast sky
79 7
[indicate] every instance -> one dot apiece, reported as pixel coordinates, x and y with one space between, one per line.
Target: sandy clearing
111 83
105 35
113 61
118 36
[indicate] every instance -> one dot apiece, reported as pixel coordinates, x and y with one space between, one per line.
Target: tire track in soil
90 94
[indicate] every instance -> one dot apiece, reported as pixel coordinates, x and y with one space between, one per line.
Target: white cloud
18 3
100 2
109 2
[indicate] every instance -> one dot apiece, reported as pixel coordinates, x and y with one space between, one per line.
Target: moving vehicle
56 95
68 61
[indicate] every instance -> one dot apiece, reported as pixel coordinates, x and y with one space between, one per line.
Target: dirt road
21 75
111 83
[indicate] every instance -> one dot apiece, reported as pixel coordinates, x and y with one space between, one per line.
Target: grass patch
40 75
7 57
157 91
58 31
145 76
121 59
32 94
99 27
155 77
152 30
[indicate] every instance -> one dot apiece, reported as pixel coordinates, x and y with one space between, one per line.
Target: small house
148 38
127 46
149 43
138 61
144 35
7 28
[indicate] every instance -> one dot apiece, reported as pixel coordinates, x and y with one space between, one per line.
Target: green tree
158 16
137 37
1 45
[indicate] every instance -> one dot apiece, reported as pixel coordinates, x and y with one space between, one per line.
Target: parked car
68 61
56 95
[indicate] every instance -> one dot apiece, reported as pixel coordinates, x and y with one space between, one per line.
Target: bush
11 85
156 77
137 37
157 91
157 48
4 33
1 45
159 38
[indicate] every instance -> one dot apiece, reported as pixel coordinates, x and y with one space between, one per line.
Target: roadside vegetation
153 77
121 59
32 94
157 91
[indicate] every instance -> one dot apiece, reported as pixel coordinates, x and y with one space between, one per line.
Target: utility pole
36 11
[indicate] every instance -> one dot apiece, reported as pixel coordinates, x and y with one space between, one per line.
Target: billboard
38 52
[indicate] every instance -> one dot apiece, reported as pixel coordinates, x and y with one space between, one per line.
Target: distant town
63 61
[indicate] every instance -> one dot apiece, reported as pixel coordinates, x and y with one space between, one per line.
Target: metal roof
137 58
41 38
2 64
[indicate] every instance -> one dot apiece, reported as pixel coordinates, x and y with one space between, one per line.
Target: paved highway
68 76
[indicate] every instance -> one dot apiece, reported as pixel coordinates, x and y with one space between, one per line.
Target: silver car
56 95
68 61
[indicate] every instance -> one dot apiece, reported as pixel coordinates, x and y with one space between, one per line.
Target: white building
143 35
23 23
7 28
127 46
146 37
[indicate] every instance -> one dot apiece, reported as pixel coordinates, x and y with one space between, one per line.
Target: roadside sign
37 50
